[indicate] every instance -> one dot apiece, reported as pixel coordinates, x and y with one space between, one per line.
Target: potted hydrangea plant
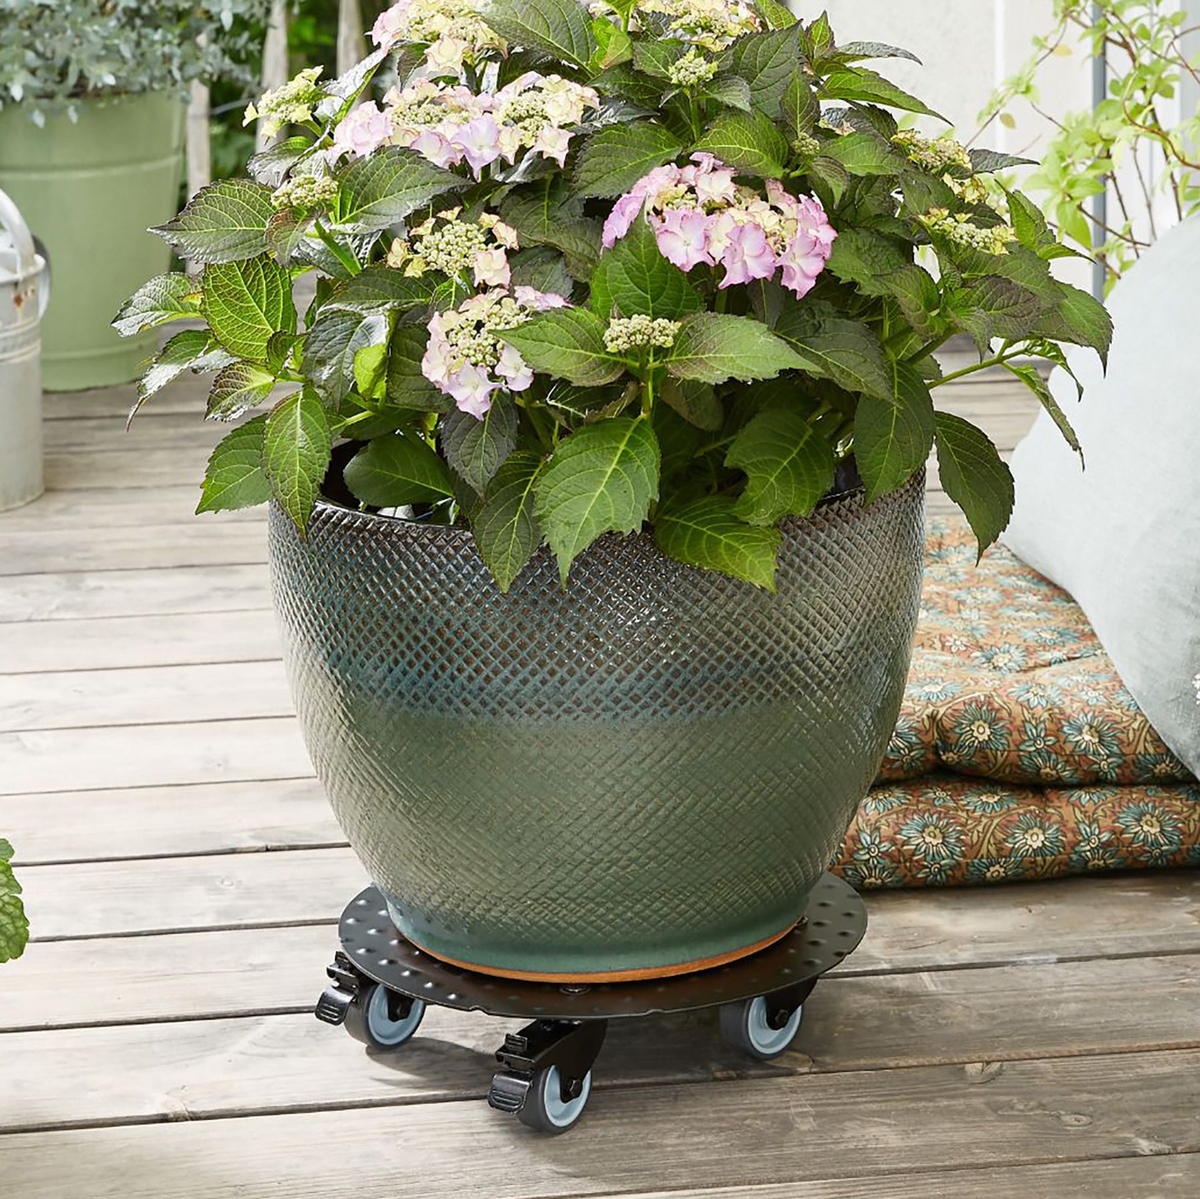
92 103
597 467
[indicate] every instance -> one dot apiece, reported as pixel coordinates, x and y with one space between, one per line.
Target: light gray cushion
1122 535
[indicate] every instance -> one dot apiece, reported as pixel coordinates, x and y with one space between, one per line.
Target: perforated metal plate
834 925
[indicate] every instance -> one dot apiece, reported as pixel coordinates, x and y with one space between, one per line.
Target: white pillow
1122 534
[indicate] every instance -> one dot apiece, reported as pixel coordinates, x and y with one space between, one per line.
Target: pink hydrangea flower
479 141
491 268
390 25
362 131
748 256
683 238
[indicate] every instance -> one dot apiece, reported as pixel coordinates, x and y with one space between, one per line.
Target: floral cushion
1008 681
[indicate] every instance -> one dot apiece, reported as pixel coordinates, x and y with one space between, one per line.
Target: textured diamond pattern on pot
653 766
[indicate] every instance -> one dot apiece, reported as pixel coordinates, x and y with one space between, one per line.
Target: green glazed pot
643 774
90 190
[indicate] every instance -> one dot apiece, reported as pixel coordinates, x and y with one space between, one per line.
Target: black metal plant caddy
381 985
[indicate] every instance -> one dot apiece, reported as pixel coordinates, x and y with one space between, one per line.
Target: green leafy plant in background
1149 59
56 52
583 272
14 927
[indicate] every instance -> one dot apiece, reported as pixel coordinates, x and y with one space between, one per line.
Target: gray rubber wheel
546 1110
744 1025
372 1018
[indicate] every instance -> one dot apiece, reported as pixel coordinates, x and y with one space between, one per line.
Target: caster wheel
374 1018
545 1109
745 1026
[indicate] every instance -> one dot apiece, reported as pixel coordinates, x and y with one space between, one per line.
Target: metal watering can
24 294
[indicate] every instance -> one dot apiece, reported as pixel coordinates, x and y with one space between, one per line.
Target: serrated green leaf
974 476
342 92
505 528
846 351
767 61
747 141
866 87
14 924
706 533
546 213
789 467
616 157
893 437
164 298
656 58
380 288
865 153
860 256
601 479
384 187
633 277
390 472
296 451
613 46
238 388
713 347
543 269
1078 318
246 303
560 28
915 291
235 477
223 222
569 344
370 368
182 351
331 345
270 166
988 306
829 174
798 104
623 81
984 162
476 449
405 384
776 15
696 402
285 234
731 90
1031 377
853 51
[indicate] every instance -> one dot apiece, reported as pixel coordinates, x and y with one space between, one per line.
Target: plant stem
995 360
338 251
928 348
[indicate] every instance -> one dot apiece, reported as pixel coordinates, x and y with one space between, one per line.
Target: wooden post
199 149
275 57
349 35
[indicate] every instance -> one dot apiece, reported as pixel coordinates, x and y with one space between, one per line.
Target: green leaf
713 347
1031 377
798 105
893 437
866 87
846 351
1078 318
506 531
543 269
707 534
656 58
234 477
860 256
271 166
476 449
246 303
383 188
567 343
830 173
613 46
767 61
164 298
776 15
623 81
633 277
333 343
747 141
405 384
224 222
616 157
560 28
601 479
865 153
546 213
183 350
14 925
390 472
916 292
731 90
989 306
789 466
296 453
238 388
380 288
853 51
342 92
984 162
974 476
696 402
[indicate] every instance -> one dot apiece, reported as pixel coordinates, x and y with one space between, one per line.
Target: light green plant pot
90 189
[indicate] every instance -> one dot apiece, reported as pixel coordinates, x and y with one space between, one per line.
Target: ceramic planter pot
90 190
641 775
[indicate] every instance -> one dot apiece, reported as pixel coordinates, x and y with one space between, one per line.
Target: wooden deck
183 873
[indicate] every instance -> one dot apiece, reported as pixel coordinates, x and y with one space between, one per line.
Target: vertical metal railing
1100 201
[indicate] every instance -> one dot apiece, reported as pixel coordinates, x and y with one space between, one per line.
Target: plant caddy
596 484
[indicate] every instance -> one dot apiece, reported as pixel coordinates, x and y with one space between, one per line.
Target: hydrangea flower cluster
958 228
935 154
453 32
465 358
445 243
625 333
692 69
288 105
449 124
713 24
700 215
304 193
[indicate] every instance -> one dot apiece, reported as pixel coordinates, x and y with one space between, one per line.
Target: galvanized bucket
641 775
24 293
